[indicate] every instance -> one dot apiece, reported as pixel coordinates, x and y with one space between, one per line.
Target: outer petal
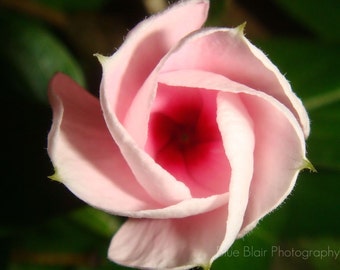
125 72
279 151
160 185
279 156
169 244
229 53
85 157
90 164
124 75
185 208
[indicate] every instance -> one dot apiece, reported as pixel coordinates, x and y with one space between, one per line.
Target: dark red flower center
184 137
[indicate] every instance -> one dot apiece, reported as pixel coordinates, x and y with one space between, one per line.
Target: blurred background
43 226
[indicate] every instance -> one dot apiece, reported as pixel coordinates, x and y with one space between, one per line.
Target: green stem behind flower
322 100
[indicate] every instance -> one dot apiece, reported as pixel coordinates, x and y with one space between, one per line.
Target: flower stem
322 100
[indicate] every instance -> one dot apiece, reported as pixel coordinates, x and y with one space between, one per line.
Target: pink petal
85 157
279 156
160 185
89 163
229 53
238 138
125 72
122 78
185 208
279 143
170 243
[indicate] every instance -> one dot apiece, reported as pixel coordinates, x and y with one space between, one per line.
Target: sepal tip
55 177
101 58
240 29
308 165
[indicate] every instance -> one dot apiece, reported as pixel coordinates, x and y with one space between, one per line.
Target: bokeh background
43 226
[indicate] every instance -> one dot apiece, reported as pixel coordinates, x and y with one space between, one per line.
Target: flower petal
171 243
279 156
279 151
89 163
85 157
184 208
238 138
160 185
125 72
229 53
123 75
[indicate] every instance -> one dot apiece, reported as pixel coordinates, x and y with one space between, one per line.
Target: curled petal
170 243
160 184
123 75
125 71
239 141
85 157
279 156
279 151
227 52
90 164
185 208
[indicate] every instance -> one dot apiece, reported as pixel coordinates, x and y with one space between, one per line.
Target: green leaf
73 241
313 70
322 17
216 13
312 67
30 56
324 143
313 206
97 221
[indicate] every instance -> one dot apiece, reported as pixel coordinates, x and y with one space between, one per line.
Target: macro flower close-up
195 137
155 135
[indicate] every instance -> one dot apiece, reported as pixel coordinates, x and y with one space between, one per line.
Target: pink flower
196 136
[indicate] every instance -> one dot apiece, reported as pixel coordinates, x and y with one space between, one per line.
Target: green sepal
308 165
240 29
55 176
101 58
